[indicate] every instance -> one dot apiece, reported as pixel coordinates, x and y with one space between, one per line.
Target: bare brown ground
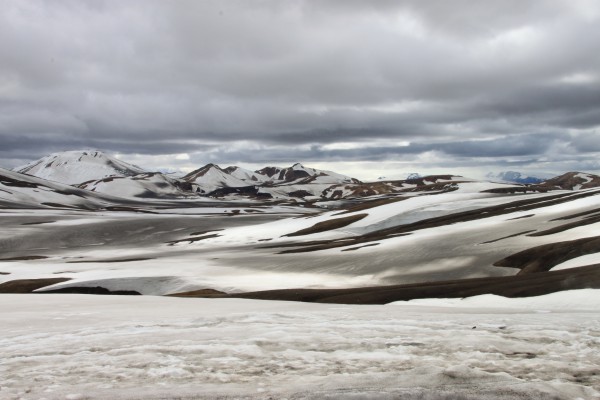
200 293
28 285
508 286
94 290
328 225
370 204
543 258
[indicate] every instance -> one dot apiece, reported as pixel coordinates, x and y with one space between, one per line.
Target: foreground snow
77 346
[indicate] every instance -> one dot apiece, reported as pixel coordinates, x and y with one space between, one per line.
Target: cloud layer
446 84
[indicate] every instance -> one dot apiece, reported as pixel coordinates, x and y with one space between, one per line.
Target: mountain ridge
96 171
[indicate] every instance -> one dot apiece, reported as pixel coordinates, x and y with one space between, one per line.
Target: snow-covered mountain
78 166
212 177
95 171
296 181
298 173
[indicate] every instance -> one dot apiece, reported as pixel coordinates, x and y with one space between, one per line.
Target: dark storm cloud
491 79
525 147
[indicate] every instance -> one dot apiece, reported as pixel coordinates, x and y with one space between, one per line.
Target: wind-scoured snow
99 347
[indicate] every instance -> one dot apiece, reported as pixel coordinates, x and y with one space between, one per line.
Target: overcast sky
363 87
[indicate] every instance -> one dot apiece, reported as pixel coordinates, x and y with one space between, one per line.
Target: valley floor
148 347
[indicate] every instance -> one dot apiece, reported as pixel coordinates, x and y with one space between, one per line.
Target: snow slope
23 191
145 185
78 166
101 347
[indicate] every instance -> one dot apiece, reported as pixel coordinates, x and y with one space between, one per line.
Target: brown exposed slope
570 180
543 258
28 285
508 286
329 225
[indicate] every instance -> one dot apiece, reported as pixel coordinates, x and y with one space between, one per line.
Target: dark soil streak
360 247
205 232
509 236
586 221
581 214
112 260
194 239
23 258
524 216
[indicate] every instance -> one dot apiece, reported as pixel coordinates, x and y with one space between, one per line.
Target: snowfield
116 347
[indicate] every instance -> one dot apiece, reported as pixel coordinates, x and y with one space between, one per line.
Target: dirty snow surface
121 347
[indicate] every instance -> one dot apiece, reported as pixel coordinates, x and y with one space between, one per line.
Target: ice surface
100 347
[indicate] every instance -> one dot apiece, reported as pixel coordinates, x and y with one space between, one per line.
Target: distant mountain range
98 178
516 177
98 172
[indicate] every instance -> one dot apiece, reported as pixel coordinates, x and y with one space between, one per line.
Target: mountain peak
78 166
